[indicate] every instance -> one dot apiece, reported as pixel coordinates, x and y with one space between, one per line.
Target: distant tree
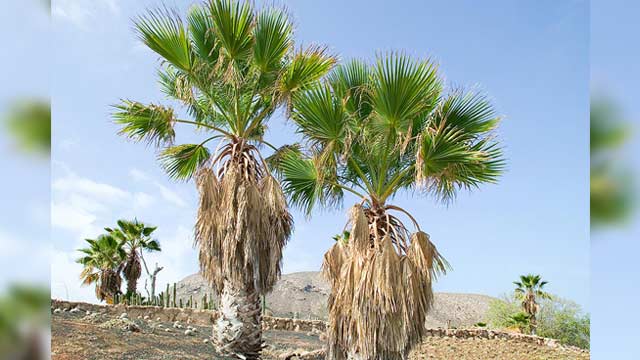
134 237
529 289
103 261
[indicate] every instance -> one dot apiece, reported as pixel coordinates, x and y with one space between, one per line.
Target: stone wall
208 317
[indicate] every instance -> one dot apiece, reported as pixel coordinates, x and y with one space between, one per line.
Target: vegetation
103 261
232 67
374 131
29 121
24 313
611 183
557 318
529 289
135 237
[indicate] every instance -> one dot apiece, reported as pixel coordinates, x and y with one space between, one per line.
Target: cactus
191 301
181 303
168 300
204 302
174 294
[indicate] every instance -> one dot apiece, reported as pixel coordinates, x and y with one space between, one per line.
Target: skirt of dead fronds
241 228
380 297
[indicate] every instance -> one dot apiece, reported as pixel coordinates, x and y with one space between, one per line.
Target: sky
531 59
614 288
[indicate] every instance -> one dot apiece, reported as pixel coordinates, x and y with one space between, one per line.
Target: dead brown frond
243 221
381 287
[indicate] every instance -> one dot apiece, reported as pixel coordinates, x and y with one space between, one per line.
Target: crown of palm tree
531 285
232 67
134 237
375 130
102 263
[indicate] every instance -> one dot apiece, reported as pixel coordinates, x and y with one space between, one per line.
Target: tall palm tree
232 67
135 238
529 289
102 261
373 131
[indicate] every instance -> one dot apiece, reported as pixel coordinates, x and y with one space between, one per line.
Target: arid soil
81 336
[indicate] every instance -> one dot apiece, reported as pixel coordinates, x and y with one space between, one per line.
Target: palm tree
135 238
102 262
528 290
373 131
232 67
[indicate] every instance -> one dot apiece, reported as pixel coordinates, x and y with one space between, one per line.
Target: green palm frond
202 36
320 117
307 66
471 112
182 161
302 181
232 24
149 123
404 90
272 39
351 82
162 31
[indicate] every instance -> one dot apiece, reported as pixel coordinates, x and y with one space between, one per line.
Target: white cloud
15 251
166 193
81 12
65 283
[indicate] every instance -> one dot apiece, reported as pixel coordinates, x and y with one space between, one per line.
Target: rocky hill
304 295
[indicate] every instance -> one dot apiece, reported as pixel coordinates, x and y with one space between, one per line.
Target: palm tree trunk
238 330
132 286
386 356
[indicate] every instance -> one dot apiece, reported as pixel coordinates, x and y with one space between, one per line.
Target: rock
146 317
74 310
189 332
123 315
88 313
160 326
157 319
133 327
167 330
206 341
57 311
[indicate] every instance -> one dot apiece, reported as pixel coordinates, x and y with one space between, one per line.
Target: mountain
304 295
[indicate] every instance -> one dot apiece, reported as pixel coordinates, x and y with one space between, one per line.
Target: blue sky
614 289
532 59
24 208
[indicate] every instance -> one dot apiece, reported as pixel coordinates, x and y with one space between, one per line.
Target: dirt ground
77 336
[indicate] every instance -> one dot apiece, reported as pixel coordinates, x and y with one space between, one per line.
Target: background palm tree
103 261
374 131
134 237
232 67
528 290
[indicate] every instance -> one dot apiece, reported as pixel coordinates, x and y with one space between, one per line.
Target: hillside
304 295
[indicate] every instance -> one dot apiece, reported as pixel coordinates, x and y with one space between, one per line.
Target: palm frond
232 23
403 91
272 39
149 123
162 31
306 67
301 181
182 161
202 35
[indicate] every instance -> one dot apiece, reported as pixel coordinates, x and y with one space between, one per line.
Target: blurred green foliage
29 124
24 313
611 181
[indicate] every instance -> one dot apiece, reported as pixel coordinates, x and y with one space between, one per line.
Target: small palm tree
520 320
103 261
528 290
375 131
135 237
232 68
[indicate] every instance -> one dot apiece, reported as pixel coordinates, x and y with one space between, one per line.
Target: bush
558 319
